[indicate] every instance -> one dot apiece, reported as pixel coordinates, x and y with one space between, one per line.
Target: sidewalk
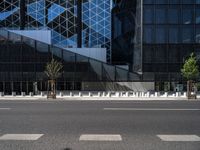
76 98
103 96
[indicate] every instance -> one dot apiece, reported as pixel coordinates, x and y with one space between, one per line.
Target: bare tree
53 71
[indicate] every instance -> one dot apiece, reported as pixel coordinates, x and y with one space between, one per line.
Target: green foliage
190 68
53 69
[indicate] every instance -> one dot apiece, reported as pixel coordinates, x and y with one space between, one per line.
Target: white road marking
100 137
5 108
179 138
24 137
151 109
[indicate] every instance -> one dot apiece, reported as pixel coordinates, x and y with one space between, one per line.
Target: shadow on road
67 149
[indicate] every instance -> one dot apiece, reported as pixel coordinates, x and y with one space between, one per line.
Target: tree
53 71
190 71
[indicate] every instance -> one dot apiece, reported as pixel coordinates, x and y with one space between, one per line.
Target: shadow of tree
67 149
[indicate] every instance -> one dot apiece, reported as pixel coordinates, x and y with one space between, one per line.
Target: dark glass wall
170 34
23 61
123 27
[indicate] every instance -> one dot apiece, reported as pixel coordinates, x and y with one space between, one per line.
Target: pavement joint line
21 137
179 138
149 109
5 108
100 137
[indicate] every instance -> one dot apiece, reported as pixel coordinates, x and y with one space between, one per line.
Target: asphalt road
62 123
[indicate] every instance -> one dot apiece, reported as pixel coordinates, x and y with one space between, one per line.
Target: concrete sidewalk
102 95
74 98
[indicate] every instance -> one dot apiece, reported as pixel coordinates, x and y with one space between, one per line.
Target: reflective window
197 15
174 35
197 1
173 54
161 1
148 1
173 15
148 15
148 54
187 34
160 54
161 35
174 1
188 1
188 13
161 15
148 34
197 36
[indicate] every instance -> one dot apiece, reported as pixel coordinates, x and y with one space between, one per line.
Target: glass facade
23 61
62 17
162 33
123 27
170 34
73 24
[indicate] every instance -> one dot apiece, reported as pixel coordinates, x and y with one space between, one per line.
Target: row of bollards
97 94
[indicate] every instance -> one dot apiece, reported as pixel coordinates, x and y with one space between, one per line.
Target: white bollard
79 94
156 94
70 94
1 94
184 94
13 93
61 94
177 94
127 94
139 94
142 94
90 94
136 94
31 94
166 94
42 94
148 94
23 93
109 94
118 94
104 94
99 94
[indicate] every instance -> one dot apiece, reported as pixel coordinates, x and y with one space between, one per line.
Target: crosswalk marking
179 138
24 137
100 137
5 108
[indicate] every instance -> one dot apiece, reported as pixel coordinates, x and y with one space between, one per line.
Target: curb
93 99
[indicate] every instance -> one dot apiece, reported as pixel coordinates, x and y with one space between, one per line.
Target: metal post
22 14
79 23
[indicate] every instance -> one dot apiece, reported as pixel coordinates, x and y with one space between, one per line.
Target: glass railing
96 70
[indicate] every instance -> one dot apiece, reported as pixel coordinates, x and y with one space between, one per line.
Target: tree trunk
190 89
51 89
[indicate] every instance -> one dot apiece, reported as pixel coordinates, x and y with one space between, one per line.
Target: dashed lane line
100 137
23 137
179 138
5 108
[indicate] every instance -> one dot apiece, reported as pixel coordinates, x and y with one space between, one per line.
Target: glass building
123 27
74 23
32 32
170 34
166 32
